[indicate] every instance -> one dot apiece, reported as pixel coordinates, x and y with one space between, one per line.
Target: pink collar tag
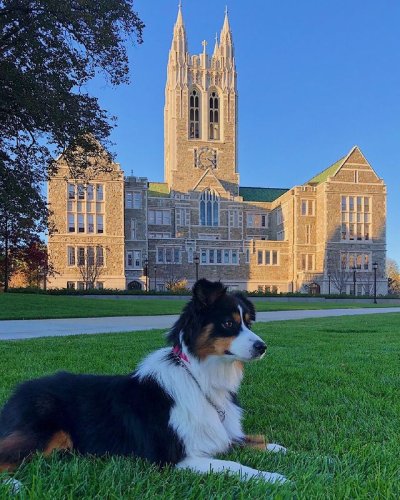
178 352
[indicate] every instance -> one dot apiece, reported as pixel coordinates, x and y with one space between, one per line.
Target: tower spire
226 43
216 46
179 43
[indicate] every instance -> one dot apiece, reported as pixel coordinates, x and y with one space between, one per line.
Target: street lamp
155 278
329 283
146 273
375 267
196 260
354 280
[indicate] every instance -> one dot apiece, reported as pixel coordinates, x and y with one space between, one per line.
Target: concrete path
28 329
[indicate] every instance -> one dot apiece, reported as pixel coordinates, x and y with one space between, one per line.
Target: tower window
194 115
214 117
209 208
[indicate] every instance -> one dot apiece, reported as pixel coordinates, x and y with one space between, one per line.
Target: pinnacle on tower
216 46
226 43
179 43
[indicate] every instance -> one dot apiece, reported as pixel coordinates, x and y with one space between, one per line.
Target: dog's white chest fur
192 417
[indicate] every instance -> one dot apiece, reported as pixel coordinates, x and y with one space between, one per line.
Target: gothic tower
200 114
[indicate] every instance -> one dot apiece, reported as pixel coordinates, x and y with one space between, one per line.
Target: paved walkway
28 329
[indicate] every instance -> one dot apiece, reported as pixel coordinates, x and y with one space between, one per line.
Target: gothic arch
194 113
214 114
209 208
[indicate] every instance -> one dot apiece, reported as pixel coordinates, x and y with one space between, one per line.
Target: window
218 256
133 229
71 256
358 261
209 208
134 199
307 207
90 193
71 223
160 217
267 257
235 218
81 223
81 256
100 227
81 285
134 259
194 115
308 234
159 236
71 285
90 256
100 256
247 253
307 262
99 192
169 255
99 285
355 218
71 191
81 192
90 223
214 117
182 216
257 220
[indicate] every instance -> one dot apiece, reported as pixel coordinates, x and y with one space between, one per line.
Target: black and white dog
179 407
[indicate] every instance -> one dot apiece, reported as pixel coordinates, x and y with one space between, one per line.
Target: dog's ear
249 306
206 293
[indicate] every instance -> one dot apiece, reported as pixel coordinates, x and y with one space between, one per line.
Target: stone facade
324 235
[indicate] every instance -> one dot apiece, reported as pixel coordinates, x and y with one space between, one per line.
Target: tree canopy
49 50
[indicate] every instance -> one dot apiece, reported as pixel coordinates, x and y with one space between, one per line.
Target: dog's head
217 323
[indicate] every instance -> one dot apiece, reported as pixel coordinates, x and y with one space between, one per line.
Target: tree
23 214
91 265
393 274
337 270
34 264
49 50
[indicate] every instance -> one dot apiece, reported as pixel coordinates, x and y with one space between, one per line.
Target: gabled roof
261 194
328 172
158 189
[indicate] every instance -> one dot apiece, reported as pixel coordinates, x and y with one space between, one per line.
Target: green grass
328 390
32 306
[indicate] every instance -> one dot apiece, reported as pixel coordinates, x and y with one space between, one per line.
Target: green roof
261 194
158 189
328 172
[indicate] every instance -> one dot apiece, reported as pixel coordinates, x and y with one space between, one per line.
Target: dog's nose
259 347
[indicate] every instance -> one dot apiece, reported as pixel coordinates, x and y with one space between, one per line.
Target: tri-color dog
179 407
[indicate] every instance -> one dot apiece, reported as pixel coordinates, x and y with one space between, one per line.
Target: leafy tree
49 50
393 274
33 263
23 214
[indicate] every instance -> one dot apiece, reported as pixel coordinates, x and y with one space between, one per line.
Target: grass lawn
31 306
328 390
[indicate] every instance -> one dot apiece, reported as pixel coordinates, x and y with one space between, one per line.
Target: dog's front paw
275 448
273 477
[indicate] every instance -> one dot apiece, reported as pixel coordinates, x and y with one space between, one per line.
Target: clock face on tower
206 158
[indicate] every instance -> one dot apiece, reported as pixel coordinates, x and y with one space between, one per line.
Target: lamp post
196 260
146 273
375 267
354 280
329 283
155 278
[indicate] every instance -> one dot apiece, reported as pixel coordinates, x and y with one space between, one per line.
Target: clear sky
315 77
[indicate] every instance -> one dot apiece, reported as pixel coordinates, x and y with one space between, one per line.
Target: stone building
322 236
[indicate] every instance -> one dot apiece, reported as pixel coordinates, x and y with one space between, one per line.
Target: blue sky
315 77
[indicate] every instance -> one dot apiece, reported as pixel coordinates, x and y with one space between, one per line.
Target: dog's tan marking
59 441
247 317
256 441
207 346
13 449
237 318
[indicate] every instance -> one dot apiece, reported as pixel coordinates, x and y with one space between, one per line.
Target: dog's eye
228 324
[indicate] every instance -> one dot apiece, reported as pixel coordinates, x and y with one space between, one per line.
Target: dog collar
180 354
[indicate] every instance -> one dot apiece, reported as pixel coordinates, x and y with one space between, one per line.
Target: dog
179 407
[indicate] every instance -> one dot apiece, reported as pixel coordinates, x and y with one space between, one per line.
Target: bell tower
200 114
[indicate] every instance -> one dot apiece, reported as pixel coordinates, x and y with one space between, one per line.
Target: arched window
209 208
194 114
214 116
